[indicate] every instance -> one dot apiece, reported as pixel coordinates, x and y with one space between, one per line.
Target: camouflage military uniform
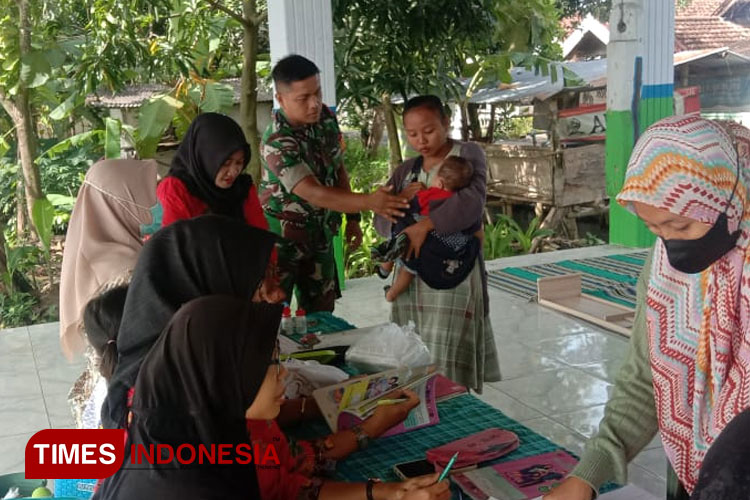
306 251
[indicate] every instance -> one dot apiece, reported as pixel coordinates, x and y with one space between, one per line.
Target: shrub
364 174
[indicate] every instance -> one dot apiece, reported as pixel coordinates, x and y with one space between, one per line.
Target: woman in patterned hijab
687 373
688 181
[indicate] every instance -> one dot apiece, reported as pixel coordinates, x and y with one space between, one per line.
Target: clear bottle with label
287 323
300 322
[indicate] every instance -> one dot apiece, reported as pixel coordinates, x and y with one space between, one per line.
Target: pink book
483 446
529 477
446 389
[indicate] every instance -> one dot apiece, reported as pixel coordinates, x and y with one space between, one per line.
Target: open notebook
348 403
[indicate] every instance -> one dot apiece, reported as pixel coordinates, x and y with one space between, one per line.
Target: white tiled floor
557 371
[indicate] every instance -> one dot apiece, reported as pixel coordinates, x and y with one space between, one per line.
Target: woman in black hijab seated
208 255
206 175
215 361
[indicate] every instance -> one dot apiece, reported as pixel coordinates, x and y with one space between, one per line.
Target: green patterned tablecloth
323 322
459 417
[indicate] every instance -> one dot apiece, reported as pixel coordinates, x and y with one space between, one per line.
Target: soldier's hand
387 205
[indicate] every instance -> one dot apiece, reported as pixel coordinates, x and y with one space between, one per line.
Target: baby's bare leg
400 284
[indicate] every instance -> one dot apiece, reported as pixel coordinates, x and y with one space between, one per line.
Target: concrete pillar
304 27
640 85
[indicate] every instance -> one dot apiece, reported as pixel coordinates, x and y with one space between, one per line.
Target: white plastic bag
306 376
12 493
389 346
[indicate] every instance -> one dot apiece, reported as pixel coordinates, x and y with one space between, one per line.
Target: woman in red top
206 174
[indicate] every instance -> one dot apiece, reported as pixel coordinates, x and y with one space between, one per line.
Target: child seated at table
445 259
101 319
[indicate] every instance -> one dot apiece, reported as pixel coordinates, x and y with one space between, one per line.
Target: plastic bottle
300 322
287 324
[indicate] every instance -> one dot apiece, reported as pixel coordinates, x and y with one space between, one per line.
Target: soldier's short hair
293 68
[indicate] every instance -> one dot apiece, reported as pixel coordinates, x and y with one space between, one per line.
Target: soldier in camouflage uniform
305 187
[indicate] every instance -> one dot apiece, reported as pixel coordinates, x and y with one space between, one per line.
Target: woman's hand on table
418 488
388 416
571 489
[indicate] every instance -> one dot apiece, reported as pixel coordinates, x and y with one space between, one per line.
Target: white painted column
640 84
304 27
624 46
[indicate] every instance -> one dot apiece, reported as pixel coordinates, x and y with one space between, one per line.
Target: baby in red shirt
444 270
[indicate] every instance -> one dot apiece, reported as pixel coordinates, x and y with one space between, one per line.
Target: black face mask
694 256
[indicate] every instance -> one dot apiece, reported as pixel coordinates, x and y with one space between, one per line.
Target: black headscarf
209 141
725 471
194 388
207 255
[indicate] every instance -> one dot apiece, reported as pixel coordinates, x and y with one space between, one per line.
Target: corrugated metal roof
133 96
528 85
722 54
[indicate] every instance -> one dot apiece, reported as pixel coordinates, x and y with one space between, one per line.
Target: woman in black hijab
208 255
725 472
206 175
194 388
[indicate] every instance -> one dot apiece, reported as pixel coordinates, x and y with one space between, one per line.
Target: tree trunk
22 223
474 126
3 259
249 85
376 133
393 140
27 151
19 110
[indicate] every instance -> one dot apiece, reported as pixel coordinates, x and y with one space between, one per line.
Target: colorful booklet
520 479
349 403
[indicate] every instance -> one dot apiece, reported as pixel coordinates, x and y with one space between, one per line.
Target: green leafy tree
23 69
598 8
251 15
386 49
398 48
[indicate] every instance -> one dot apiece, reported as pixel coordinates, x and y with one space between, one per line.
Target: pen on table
385 402
448 467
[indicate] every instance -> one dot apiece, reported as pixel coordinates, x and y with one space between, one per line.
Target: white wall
304 27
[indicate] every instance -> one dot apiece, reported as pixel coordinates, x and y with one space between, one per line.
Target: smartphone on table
416 468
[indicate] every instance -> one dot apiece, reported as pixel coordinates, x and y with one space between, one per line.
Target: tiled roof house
709 24
699 25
